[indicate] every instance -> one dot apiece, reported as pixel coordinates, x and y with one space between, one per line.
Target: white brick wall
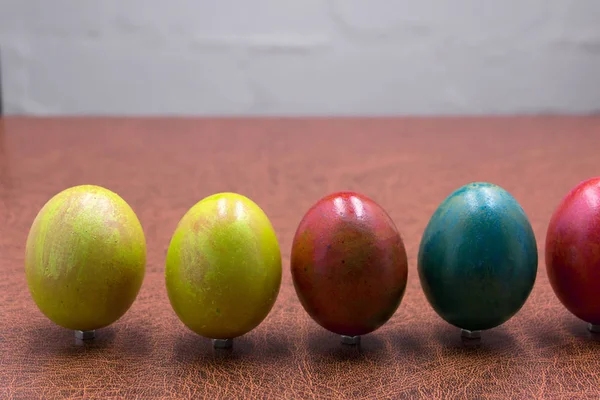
299 57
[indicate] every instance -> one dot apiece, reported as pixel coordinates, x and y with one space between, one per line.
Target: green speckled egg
85 258
223 268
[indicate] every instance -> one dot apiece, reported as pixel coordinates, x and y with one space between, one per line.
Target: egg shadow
327 347
572 333
579 330
493 342
57 341
408 343
56 352
565 333
191 348
130 340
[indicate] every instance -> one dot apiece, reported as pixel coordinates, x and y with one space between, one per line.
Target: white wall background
299 57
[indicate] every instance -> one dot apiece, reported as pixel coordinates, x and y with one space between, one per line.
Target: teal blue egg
478 257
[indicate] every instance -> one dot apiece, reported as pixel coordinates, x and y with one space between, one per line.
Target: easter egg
85 258
573 251
223 267
478 258
348 263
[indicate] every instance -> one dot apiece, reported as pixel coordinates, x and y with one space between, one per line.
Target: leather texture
161 167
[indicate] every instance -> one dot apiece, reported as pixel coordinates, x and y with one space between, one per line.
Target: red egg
573 251
349 264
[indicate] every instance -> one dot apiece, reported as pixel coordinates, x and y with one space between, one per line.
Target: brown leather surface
162 167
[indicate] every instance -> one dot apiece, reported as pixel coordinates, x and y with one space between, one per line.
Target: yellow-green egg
223 268
85 258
